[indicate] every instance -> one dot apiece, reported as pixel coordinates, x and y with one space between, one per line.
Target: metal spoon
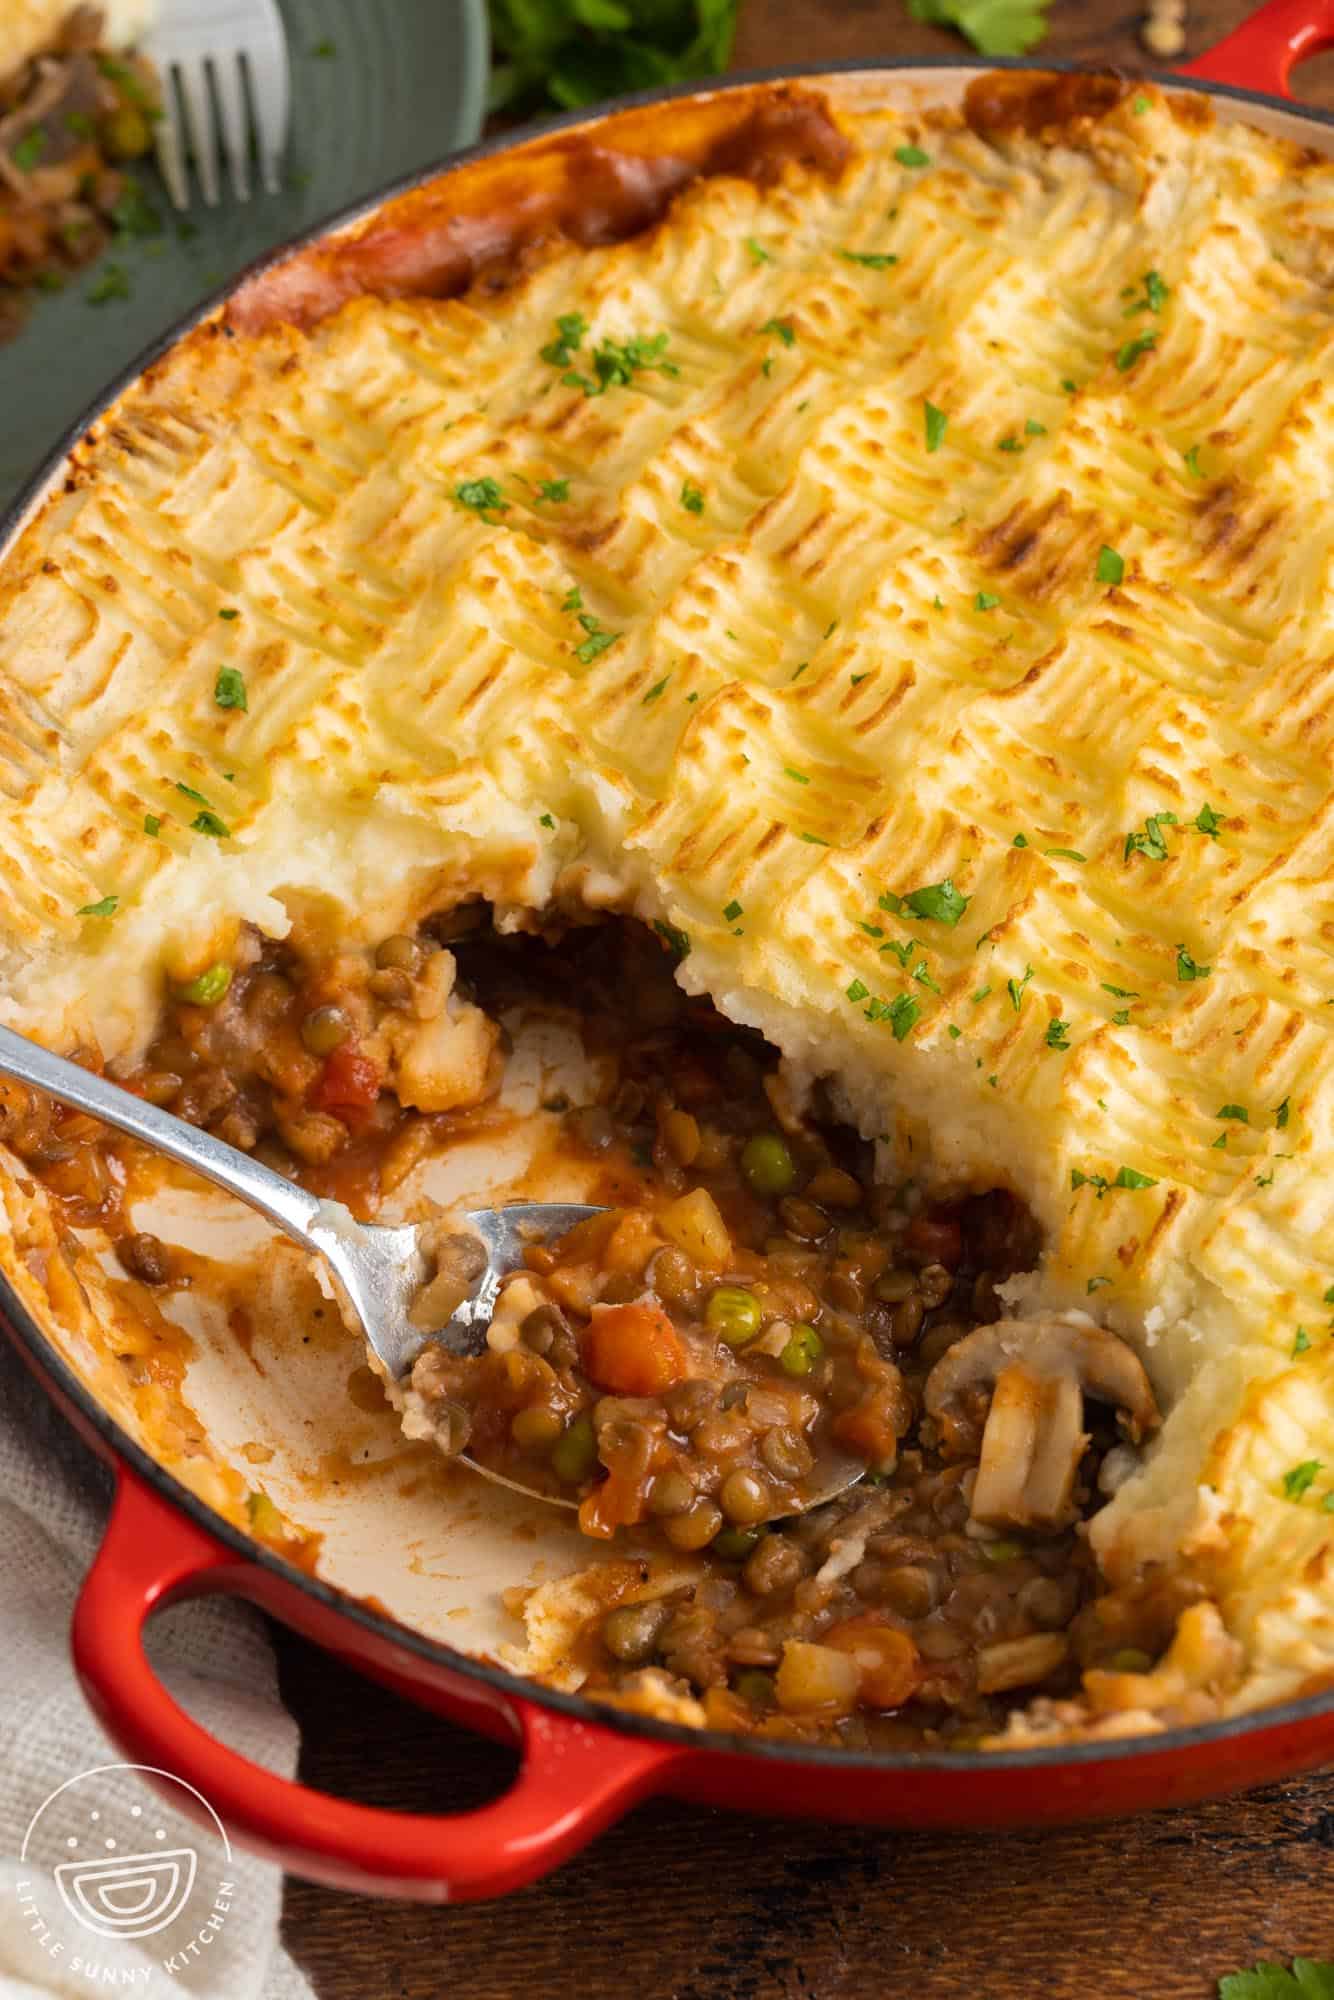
381 1270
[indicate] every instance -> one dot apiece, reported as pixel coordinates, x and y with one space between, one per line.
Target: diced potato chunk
695 1226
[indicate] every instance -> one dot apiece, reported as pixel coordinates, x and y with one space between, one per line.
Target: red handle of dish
1263 52
574 1778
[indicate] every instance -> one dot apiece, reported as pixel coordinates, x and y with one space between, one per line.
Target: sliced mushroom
1039 1372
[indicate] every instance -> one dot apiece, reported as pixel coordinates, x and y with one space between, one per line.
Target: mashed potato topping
907 594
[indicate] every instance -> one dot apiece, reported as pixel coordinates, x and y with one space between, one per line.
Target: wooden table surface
679 1904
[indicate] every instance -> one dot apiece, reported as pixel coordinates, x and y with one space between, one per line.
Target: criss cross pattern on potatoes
732 645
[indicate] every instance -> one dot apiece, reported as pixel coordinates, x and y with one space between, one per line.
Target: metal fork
225 74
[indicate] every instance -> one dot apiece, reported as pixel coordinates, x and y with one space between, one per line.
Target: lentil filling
750 1305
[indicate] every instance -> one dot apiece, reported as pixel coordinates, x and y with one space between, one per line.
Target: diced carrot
632 1350
887 1660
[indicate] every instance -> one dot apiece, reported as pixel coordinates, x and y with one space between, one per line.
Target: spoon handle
289 1206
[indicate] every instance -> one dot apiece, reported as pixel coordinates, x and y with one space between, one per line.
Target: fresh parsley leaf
911 156
1300 1478
782 328
902 952
1058 1034
953 1032
27 154
1130 351
229 689
855 680
482 497
597 642
677 941
1064 854
1281 1115
994 27
1207 821
229 612
209 823
134 214
1187 969
191 793
857 991
658 688
936 424
113 282
617 362
758 253
1237 1112
1033 429
554 490
984 601
938 902
732 911
1119 992
1140 105
872 260
1009 444
1131 1177
1111 566
980 995
1121 1018
1094 1283
1015 988
692 497
573 600
1302 1343
1154 298
106 908
1192 460
567 339
800 777
1020 840
904 1012
547 821
575 52
1151 843
813 839
152 825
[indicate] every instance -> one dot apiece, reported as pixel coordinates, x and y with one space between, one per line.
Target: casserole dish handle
1263 52
574 1778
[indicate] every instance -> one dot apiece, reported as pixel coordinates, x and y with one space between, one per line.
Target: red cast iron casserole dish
583 1765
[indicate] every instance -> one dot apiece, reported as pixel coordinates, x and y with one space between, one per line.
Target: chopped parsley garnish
1058 1034
678 941
732 912
856 679
1121 1018
1111 566
1015 988
923 976
112 283
911 156
617 362
799 776
573 600
133 213
657 689
936 423
1302 1344
873 260
1300 1478
1309 1979
902 952
758 253
1187 969
229 612
1238 1112
1154 299
813 839
546 820
937 903
1070 388
1009 444
858 991
1119 992
1094 1283
106 908
781 327
1129 352
569 335
597 642
209 823
29 150
984 601
1020 840
1126 1177
79 124
801 670
692 497
953 1032
1219 1145
1140 105
1281 1116
1064 854
980 995
325 49
1207 821
555 490
229 689
1151 843
1192 462
152 825
1033 429
902 1015
482 497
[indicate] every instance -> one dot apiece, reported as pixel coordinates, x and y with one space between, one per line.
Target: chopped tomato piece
869 1428
887 1660
349 1084
632 1350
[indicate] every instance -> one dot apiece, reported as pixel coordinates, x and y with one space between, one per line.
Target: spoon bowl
380 1268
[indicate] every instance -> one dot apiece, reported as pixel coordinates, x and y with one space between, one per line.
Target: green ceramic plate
395 85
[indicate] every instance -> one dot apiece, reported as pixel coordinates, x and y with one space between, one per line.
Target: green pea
575 1452
755 1687
734 1315
768 1165
735 1544
209 988
1130 1660
1001 1551
802 1352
